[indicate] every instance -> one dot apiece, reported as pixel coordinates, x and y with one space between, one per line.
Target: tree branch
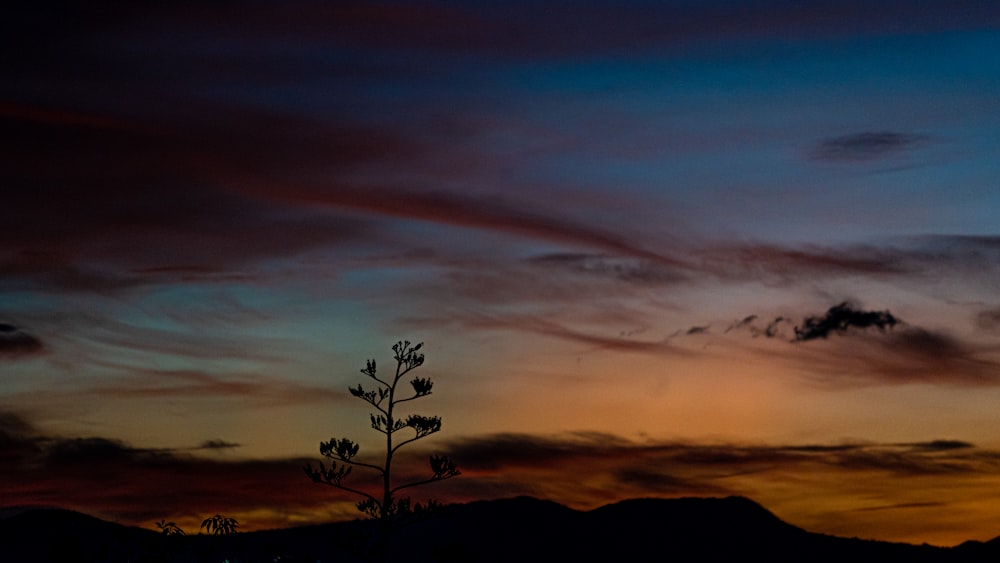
357 463
424 482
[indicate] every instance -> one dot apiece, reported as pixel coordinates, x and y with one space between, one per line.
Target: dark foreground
522 529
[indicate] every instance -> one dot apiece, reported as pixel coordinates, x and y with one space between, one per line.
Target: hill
519 529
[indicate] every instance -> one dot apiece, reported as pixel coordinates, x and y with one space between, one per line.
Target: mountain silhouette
520 529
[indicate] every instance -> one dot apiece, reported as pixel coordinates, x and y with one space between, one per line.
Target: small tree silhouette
341 452
169 528
220 525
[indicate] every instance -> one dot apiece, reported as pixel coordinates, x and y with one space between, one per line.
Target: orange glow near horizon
668 250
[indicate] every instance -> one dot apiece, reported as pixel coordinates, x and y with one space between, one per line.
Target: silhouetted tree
220 525
169 528
342 452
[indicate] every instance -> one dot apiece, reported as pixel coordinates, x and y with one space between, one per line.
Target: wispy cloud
582 469
495 214
603 466
112 479
867 145
624 268
988 320
849 345
217 445
15 342
903 356
590 337
494 452
254 389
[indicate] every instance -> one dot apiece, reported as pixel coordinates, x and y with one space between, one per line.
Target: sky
682 248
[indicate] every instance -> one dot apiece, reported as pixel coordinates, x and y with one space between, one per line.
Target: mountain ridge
519 529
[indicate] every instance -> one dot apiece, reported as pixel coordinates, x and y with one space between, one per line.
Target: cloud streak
583 469
868 145
16 342
256 390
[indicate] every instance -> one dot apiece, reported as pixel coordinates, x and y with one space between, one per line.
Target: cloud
112 479
16 342
749 323
655 481
12 424
74 451
903 356
490 213
169 192
621 268
918 354
940 445
587 470
988 320
840 319
866 145
872 348
217 445
783 264
901 505
255 389
496 451
563 28
547 327
918 262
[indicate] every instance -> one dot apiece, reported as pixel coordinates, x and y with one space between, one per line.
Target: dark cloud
134 485
745 322
217 445
936 347
505 449
903 356
749 323
16 342
895 352
917 354
110 478
88 450
692 331
76 187
865 146
841 318
940 445
12 424
622 268
988 320
658 482
525 450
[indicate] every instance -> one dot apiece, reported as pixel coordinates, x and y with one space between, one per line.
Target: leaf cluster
169 528
220 525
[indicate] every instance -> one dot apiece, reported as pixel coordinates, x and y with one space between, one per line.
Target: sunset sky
674 248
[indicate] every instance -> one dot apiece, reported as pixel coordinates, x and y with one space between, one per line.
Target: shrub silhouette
169 528
384 505
220 525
